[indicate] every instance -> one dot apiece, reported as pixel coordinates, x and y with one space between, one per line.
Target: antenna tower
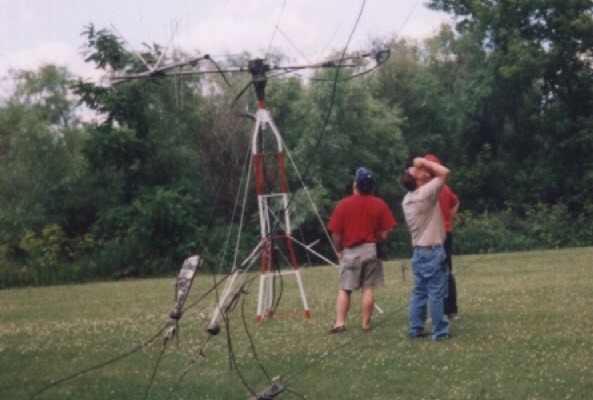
272 199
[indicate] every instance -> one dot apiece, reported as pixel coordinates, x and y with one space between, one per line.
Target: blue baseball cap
364 180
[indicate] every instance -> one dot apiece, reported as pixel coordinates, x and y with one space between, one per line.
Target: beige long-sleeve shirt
423 214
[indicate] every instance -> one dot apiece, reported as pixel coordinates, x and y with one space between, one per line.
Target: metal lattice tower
272 199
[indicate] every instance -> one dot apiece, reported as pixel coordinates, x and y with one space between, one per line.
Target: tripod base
266 295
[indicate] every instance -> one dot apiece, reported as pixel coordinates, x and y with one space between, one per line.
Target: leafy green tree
442 89
42 162
43 189
152 161
539 55
149 235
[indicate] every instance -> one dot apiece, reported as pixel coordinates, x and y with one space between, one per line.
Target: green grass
526 332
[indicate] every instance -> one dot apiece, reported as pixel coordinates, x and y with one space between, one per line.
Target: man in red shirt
449 203
359 224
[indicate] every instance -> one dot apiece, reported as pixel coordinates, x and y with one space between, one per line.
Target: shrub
536 227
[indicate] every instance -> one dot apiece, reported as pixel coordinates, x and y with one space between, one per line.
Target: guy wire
276 28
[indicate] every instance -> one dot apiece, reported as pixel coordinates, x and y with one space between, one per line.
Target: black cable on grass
232 359
127 354
250 339
101 365
154 371
190 364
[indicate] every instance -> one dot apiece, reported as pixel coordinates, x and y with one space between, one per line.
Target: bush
150 236
536 227
45 252
482 233
46 257
161 234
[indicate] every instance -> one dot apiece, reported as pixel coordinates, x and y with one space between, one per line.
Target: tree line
504 99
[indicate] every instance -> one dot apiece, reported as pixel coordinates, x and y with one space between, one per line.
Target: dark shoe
446 336
453 316
420 335
337 329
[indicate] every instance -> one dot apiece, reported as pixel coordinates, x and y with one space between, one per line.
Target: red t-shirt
359 219
447 200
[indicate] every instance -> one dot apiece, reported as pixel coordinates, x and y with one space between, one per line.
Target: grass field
525 332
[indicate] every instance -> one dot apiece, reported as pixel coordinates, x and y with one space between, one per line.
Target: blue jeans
430 284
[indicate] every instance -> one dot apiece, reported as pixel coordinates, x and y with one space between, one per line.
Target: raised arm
439 170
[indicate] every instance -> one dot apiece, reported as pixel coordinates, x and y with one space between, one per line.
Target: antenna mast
272 200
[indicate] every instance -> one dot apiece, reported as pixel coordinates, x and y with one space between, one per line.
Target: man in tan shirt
425 223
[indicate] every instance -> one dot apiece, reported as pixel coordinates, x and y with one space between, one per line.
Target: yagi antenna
155 69
379 57
133 51
167 47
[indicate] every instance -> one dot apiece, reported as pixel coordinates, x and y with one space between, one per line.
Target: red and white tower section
273 202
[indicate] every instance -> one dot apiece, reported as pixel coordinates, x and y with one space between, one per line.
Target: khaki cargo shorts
360 268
